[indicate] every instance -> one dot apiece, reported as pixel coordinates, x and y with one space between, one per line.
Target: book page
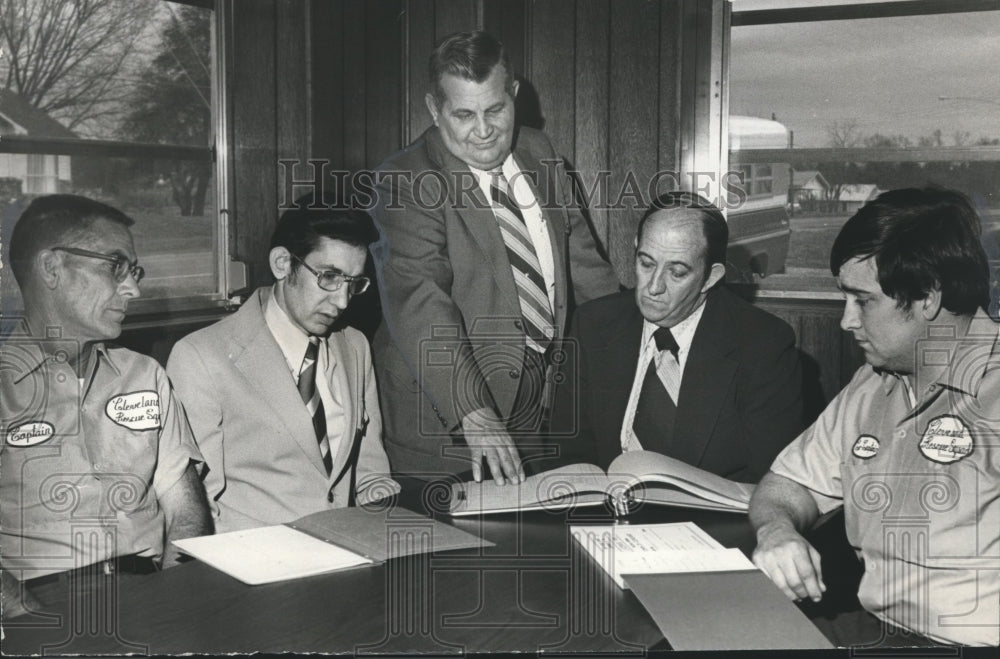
656 548
572 485
269 553
648 466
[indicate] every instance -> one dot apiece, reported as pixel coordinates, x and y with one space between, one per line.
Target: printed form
657 549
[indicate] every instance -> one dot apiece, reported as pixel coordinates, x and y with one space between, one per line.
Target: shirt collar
289 336
956 362
683 331
508 167
27 352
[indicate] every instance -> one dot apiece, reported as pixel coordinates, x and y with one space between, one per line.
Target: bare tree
69 58
843 134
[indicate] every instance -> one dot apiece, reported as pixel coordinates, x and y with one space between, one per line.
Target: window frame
780 286
153 312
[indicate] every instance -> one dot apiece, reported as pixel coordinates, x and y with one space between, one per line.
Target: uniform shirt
522 195
920 485
83 461
683 333
293 342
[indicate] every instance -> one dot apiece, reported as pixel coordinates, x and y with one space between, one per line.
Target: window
871 97
121 103
756 179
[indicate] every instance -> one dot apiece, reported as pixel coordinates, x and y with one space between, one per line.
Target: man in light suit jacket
282 400
681 365
475 283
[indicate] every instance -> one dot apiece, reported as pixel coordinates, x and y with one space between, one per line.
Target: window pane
133 72
172 202
868 105
122 70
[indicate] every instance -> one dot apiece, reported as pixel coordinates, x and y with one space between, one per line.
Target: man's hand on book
791 562
487 438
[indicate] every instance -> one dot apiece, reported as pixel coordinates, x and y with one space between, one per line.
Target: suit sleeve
772 398
415 279
195 388
373 481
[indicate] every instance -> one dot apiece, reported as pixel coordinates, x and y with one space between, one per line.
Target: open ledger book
642 476
324 542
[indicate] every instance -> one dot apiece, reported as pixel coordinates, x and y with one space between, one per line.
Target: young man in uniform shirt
910 447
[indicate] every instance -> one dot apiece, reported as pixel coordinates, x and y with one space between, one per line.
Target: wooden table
534 591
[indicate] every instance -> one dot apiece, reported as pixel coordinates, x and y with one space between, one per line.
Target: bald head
677 261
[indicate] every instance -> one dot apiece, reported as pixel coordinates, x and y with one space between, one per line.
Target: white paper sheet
656 549
268 554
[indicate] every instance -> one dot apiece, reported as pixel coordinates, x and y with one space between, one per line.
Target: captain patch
30 434
866 447
946 439
139 410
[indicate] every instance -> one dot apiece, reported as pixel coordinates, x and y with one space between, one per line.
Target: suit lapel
477 215
257 356
617 351
346 379
708 375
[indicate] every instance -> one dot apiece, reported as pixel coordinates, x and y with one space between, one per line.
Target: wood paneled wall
343 81
599 76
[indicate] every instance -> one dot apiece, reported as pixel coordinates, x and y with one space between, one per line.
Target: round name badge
946 440
865 447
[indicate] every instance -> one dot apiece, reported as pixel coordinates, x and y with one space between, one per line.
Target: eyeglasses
123 267
332 280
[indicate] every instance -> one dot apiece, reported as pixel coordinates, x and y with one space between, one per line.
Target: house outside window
874 96
131 114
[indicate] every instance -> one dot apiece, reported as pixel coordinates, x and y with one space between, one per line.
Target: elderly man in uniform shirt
97 458
910 447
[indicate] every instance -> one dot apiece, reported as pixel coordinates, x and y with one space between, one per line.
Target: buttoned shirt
919 483
84 461
524 197
293 341
683 333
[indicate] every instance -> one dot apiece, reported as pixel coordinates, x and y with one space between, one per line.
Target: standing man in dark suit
681 366
481 255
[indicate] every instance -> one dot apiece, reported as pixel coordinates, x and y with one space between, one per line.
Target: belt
130 564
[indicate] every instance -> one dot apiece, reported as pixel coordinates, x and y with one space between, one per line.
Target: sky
886 75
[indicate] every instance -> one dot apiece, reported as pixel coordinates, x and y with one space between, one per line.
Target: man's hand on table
487 438
790 561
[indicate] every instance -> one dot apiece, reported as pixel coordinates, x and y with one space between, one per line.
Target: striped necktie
531 290
310 396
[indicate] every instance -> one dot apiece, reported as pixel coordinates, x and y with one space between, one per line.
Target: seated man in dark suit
680 365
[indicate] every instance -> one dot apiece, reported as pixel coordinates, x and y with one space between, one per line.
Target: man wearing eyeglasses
281 396
96 459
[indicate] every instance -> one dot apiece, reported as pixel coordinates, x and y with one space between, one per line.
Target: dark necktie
310 396
531 295
656 410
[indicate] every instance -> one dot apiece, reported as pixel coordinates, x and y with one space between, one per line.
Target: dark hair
713 222
468 55
55 220
300 228
922 240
